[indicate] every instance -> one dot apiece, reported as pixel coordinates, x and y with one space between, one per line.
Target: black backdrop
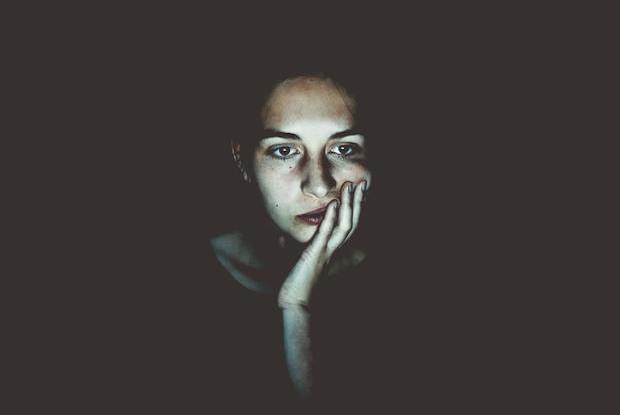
459 209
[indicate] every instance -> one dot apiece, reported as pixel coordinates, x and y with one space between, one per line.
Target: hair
244 123
252 90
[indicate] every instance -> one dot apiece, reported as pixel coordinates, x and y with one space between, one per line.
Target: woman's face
307 152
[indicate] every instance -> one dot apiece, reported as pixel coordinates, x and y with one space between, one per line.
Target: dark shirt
247 331
188 338
249 360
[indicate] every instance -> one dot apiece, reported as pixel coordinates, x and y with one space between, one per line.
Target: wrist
297 289
292 304
290 296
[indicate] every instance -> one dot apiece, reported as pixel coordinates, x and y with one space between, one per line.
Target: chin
297 232
303 236
302 239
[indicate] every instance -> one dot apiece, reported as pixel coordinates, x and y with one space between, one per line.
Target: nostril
318 182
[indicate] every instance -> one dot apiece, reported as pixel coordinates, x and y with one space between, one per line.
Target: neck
262 256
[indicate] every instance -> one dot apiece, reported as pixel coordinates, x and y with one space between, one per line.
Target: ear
235 146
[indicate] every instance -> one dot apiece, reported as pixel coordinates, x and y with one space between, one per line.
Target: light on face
308 150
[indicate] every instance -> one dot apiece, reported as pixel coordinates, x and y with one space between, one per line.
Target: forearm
296 291
297 348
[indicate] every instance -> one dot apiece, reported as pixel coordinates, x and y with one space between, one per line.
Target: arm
294 296
297 348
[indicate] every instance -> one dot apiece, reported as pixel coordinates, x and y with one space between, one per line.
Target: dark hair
252 90
244 105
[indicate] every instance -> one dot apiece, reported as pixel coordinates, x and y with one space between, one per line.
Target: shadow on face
308 149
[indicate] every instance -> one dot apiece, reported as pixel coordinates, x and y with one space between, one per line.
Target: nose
318 180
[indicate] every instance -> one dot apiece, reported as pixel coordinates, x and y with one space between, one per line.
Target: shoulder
235 246
226 242
235 253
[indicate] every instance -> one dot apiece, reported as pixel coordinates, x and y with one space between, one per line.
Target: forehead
307 100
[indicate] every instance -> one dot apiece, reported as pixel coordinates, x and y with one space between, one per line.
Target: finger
358 196
326 227
344 217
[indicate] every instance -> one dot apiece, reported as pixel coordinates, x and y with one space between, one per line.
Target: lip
313 217
315 211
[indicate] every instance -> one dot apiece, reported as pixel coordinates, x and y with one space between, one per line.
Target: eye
345 150
283 152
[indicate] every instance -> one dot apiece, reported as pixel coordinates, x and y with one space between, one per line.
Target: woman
305 159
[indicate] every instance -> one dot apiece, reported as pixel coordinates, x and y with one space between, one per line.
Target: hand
336 228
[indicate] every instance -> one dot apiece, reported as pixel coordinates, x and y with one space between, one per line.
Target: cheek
275 184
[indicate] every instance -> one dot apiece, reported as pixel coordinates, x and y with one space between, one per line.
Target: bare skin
312 158
294 296
315 262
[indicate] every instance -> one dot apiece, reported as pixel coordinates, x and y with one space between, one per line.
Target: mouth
313 217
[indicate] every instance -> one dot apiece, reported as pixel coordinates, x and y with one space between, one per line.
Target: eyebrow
270 133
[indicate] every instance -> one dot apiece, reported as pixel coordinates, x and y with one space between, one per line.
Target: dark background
139 176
